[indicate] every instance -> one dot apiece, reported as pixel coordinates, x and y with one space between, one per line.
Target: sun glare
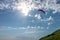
24 7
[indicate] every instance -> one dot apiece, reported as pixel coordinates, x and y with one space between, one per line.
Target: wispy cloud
1 6
48 19
21 28
38 16
49 23
32 4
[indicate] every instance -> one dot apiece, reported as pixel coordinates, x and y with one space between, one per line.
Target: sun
24 7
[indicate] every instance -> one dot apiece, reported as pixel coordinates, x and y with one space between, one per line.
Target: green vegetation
54 36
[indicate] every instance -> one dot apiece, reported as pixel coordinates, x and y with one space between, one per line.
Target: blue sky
21 20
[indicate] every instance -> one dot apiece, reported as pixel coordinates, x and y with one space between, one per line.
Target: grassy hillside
54 36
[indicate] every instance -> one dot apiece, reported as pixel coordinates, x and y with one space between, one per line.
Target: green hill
54 36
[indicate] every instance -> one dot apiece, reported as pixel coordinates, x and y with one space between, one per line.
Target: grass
54 36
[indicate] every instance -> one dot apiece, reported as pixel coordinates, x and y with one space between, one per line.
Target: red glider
41 10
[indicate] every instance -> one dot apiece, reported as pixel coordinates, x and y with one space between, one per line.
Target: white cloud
32 4
1 6
38 16
30 15
30 32
54 11
21 28
42 27
49 23
48 27
39 27
48 19
28 27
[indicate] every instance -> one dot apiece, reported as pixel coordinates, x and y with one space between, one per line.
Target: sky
21 20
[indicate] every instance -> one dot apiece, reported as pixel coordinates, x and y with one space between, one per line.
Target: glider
41 11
